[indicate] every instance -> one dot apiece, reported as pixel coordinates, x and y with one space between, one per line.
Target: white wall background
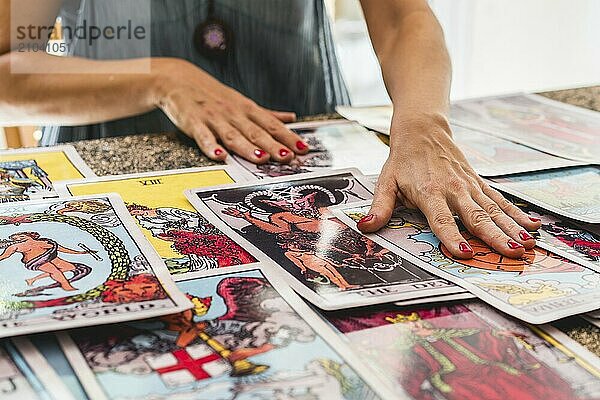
496 46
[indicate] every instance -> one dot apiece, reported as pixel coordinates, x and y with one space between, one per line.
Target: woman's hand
217 116
426 170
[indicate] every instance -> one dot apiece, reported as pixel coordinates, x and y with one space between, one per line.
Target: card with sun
540 287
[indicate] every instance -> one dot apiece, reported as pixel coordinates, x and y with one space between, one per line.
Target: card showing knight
287 221
75 262
468 352
185 240
247 337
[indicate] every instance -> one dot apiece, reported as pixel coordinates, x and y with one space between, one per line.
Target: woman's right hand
217 116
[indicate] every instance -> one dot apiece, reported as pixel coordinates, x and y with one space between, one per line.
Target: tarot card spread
538 288
29 174
550 126
25 375
182 237
75 262
247 337
333 146
287 222
573 192
469 352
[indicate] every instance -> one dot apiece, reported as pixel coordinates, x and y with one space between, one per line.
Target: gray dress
282 57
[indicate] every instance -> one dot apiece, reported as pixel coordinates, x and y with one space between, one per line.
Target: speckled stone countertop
143 153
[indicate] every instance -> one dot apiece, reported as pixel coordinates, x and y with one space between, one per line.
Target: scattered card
29 174
286 221
377 118
554 127
182 237
248 337
468 351
445 298
75 262
578 243
538 288
25 374
492 156
333 146
573 192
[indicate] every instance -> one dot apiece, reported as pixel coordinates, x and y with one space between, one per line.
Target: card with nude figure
571 192
535 121
75 262
29 174
332 146
540 287
468 352
248 337
185 240
25 374
286 221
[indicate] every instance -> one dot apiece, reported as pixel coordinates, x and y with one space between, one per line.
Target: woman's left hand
426 170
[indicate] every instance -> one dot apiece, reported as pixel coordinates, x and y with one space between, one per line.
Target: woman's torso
282 54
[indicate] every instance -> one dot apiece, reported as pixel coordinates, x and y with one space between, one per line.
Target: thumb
382 207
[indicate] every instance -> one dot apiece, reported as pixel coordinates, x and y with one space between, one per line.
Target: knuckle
479 218
442 220
229 135
455 185
430 187
255 135
493 210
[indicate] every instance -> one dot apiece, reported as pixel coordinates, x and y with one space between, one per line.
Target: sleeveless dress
282 56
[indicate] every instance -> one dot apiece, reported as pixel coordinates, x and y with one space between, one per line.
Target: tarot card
182 237
538 288
28 174
25 375
75 262
445 298
287 222
468 352
547 125
578 243
377 118
492 156
573 192
247 337
333 146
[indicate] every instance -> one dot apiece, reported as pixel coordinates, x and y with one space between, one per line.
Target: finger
284 116
263 140
443 225
236 142
528 222
205 139
480 224
384 202
279 132
502 220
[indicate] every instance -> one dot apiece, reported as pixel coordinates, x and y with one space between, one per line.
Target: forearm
63 98
415 63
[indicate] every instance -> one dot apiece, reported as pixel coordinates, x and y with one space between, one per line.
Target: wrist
163 78
419 123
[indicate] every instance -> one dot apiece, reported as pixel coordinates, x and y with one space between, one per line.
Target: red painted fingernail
465 248
534 219
524 235
218 152
300 145
514 245
366 218
260 153
284 152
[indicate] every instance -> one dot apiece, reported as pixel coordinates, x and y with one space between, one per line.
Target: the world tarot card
182 237
469 352
25 374
28 174
554 127
333 146
286 221
571 192
539 287
249 336
76 262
